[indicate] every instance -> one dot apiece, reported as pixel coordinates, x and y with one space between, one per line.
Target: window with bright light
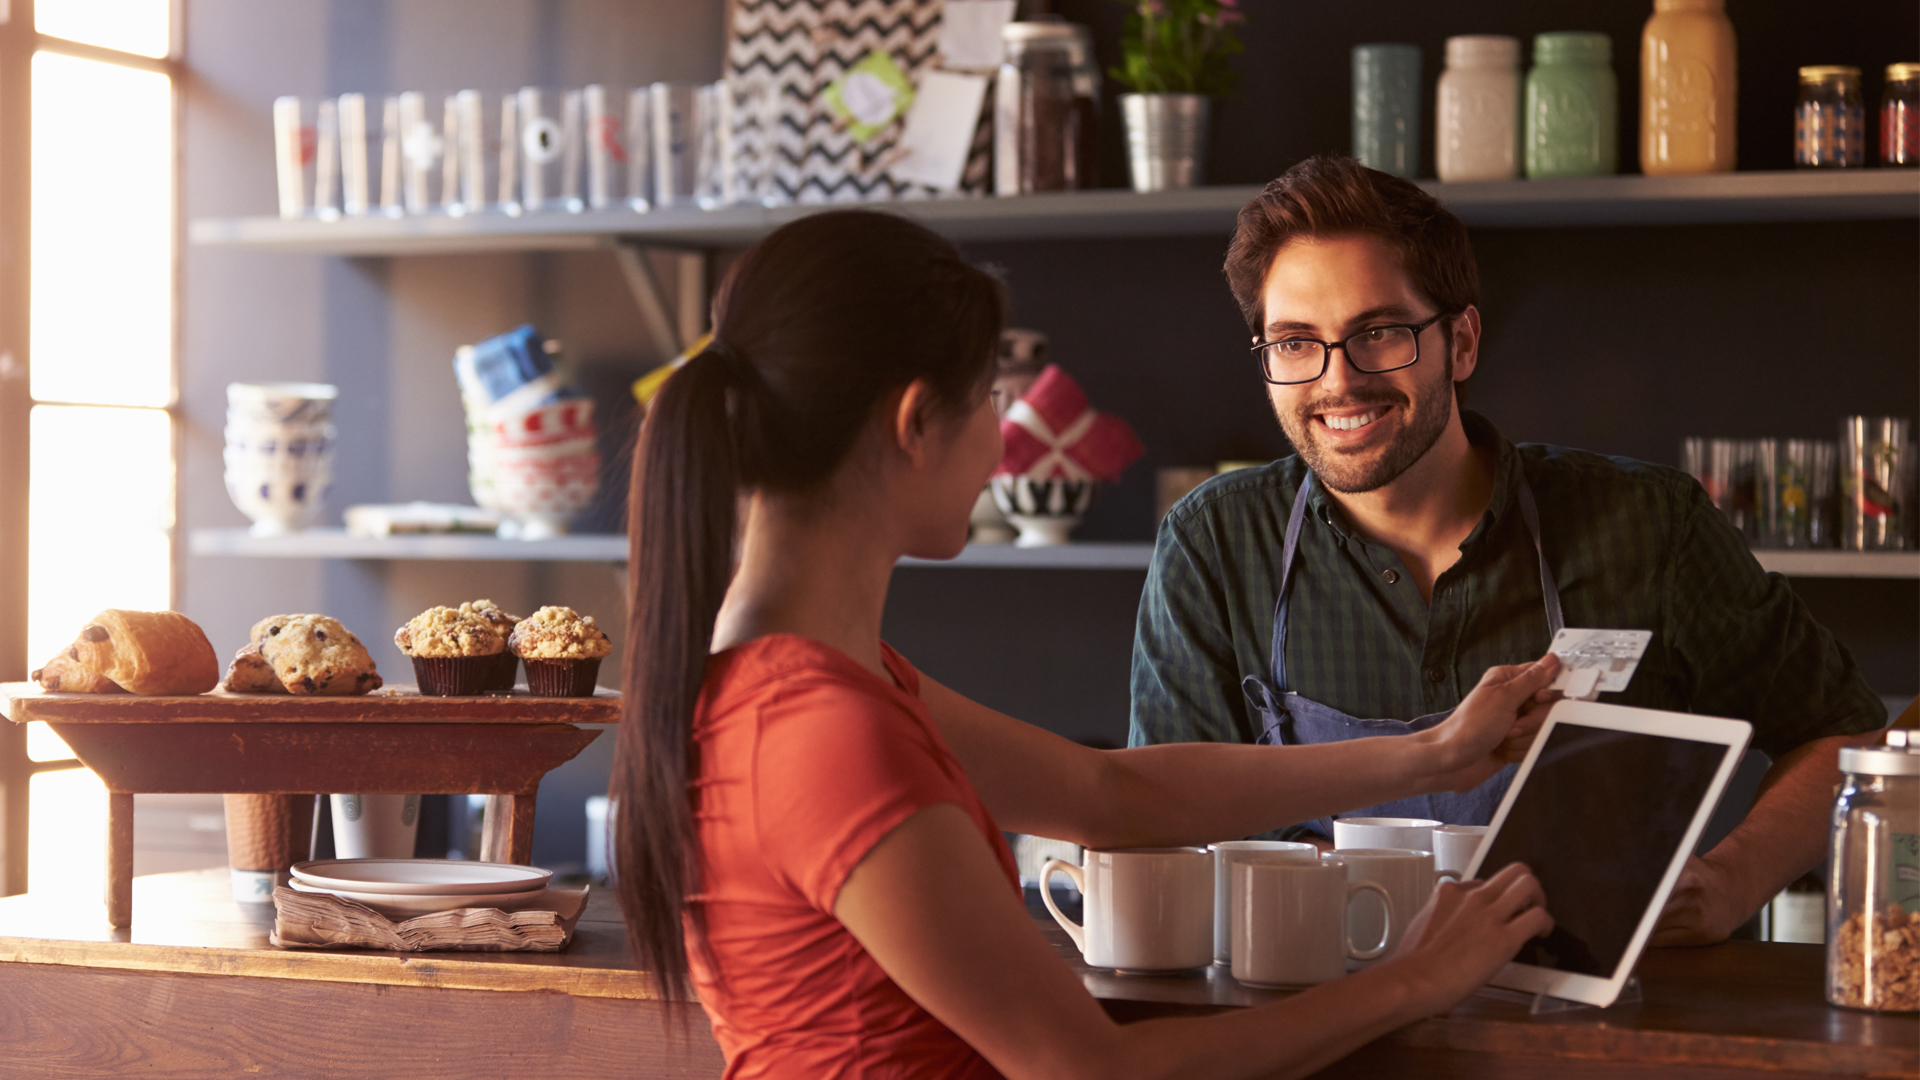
101 276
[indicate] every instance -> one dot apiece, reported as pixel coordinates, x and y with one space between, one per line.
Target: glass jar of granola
1873 892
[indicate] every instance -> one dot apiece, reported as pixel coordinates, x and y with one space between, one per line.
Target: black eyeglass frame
1327 347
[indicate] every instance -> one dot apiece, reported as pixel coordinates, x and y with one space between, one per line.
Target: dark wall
1619 340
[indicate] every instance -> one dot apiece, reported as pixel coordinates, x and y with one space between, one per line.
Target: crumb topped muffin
562 650
455 651
506 666
450 632
559 633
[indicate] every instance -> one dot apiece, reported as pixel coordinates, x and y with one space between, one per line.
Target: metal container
1876 462
1386 108
1046 109
1829 123
1166 140
1873 884
1900 116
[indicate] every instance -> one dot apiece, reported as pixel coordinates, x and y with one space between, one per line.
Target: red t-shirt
806 760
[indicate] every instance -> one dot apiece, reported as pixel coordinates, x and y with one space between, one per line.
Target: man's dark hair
1337 196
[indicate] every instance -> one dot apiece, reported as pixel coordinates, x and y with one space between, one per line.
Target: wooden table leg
506 834
119 860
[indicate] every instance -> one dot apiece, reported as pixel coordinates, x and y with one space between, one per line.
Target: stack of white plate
404 888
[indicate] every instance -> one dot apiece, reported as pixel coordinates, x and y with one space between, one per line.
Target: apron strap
1288 553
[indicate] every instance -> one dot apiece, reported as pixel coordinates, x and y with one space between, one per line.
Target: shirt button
1435 675
1391 575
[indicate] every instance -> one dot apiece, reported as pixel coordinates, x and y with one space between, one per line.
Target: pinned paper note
870 95
970 33
939 130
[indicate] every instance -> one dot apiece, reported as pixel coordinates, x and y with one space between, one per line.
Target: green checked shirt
1632 546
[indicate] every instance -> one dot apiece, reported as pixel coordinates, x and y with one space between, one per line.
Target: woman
807 829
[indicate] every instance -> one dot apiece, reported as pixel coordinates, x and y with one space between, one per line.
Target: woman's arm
933 907
1033 781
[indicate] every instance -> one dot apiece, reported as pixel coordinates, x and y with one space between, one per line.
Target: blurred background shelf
1842 564
1589 201
337 544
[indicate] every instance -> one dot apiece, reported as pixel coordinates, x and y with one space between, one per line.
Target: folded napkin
1052 432
304 920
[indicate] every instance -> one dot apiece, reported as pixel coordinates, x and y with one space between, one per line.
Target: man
1360 588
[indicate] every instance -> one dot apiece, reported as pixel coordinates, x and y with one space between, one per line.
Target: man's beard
1426 421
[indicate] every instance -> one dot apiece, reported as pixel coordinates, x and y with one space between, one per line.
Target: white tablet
1605 809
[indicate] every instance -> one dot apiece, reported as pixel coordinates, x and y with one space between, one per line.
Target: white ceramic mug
1229 852
1454 846
1408 878
1292 922
375 826
1147 909
1413 834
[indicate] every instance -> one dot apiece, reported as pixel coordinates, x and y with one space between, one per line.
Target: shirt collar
1480 432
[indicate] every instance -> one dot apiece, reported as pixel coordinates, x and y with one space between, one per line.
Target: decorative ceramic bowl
278 473
543 490
1045 511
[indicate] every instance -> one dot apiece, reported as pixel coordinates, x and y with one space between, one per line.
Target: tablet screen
1598 820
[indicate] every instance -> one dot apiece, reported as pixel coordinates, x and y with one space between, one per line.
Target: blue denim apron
1287 718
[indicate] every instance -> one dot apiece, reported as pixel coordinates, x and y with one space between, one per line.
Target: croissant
148 652
64 675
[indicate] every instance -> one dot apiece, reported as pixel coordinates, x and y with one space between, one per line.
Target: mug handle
1074 930
1386 923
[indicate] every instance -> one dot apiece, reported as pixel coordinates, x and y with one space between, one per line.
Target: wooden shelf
336 544
1587 201
339 544
1842 564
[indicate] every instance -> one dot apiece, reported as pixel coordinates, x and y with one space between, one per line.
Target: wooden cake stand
393 741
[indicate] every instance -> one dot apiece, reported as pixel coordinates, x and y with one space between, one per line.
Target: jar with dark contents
1829 123
1900 116
1047 109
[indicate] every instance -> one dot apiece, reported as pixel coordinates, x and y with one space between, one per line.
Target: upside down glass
1876 458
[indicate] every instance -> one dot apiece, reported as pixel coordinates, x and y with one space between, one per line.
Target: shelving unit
337 544
1588 201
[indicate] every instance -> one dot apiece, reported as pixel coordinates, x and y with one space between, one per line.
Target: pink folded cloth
1052 432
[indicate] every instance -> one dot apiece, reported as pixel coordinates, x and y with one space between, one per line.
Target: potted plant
1176 55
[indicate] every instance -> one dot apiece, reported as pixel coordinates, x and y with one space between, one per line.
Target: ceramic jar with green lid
1573 106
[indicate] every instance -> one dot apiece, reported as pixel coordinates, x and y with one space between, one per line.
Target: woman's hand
1494 725
1468 932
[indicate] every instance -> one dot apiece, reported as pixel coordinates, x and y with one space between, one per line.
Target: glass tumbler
1875 453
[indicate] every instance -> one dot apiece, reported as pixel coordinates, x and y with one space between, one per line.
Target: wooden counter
193 990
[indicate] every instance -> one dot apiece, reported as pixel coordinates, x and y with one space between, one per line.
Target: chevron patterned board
789 52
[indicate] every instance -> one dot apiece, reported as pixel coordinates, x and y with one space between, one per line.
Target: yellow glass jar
1687 89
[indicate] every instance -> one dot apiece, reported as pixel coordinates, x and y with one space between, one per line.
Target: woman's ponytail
680 552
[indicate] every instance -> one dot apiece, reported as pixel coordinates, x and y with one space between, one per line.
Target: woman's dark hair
813 327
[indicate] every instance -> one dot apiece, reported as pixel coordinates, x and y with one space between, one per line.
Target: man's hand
1702 909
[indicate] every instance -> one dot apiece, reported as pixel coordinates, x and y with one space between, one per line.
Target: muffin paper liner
455 676
562 678
504 669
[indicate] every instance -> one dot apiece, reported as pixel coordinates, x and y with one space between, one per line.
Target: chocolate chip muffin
562 650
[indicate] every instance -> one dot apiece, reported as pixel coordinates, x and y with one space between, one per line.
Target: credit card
1609 655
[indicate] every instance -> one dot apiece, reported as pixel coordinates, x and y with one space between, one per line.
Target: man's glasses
1296 360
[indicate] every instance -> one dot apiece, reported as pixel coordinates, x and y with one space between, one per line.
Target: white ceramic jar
1477 119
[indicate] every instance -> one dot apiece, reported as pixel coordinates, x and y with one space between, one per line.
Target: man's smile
1351 421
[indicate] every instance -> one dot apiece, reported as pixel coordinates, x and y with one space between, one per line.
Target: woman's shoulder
781 682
